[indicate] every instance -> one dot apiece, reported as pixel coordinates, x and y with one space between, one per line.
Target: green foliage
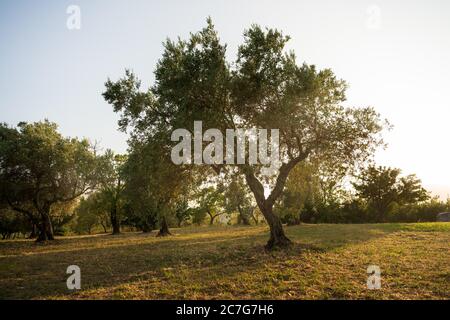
198 216
315 193
183 213
12 222
86 217
419 212
92 212
237 198
302 189
312 188
41 169
383 189
62 215
155 188
112 186
211 202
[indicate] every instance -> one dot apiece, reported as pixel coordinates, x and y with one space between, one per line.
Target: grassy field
326 262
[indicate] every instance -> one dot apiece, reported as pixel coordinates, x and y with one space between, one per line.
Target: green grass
326 262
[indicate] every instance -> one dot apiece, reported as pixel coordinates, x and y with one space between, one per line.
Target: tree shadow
108 262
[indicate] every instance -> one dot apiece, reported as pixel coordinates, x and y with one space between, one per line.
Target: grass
326 262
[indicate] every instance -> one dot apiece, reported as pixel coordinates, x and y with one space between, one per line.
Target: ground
326 262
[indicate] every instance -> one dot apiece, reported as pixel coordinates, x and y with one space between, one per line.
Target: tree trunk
243 218
46 228
115 221
34 231
211 217
116 228
164 230
254 217
146 228
277 236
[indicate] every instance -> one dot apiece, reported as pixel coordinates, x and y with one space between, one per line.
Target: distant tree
331 176
382 187
86 217
265 89
111 187
238 199
313 189
211 201
141 208
62 214
183 212
302 188
155 187
91 212
40 169
12 223
198 216
411 190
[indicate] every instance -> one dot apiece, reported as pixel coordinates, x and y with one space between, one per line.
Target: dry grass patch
326 262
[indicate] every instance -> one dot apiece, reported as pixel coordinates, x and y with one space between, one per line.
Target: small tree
155 187
91 212
141 209
211 201
87 219
238 199
183 212
111 187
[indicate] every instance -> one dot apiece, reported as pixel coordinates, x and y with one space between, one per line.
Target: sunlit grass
326 262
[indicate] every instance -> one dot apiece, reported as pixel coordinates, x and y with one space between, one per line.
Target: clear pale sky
394 54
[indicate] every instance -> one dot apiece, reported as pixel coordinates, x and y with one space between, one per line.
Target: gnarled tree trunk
164 230
277 236
211 217
45 227
115 223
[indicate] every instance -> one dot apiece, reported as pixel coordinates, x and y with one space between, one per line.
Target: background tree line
55 185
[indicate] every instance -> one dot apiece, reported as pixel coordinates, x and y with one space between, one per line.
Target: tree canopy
40 169
382 187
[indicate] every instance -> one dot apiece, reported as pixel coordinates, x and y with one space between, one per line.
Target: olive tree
154 187
382 187
265 88
41 170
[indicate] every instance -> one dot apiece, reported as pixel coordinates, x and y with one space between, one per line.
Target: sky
393 54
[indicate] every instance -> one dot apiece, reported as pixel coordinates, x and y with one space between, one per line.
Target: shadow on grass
29 270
